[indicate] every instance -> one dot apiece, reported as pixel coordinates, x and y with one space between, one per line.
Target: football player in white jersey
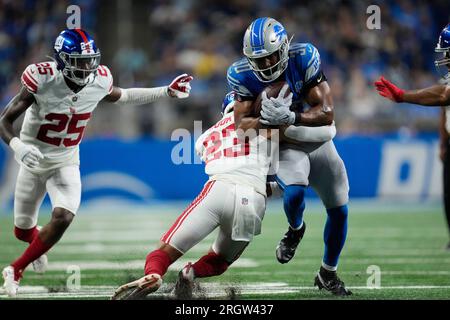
237 162
58 98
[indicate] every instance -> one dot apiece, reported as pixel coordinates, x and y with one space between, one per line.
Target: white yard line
132 265
208 290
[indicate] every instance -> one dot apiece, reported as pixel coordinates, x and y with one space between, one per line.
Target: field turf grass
109 249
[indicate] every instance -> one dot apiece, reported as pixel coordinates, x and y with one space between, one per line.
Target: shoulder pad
308 58
35 76
105 78
237 77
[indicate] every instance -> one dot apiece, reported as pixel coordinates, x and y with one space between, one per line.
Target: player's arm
178 88
23 153
246 121
21 102
438 95
321 112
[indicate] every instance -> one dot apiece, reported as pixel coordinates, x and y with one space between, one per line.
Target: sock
334 236
36 249
158 262
26 235
210 265
294 205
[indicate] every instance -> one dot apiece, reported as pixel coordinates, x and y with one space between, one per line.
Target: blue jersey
303 69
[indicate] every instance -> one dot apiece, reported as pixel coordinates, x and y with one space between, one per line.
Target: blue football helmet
266 38
77 56
228 103
443 47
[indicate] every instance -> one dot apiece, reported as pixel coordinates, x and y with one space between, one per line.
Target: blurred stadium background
391 151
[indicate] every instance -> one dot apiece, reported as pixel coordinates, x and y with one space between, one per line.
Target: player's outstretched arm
23 153
438 95
321 112
179 88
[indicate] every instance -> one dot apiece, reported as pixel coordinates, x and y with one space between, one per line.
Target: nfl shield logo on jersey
244 201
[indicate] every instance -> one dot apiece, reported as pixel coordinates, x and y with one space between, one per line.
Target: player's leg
446 177
28 196
64 188
229 243
329 179
292 176
198 220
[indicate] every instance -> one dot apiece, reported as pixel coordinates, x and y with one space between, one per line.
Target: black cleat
286 248
448 247
329 281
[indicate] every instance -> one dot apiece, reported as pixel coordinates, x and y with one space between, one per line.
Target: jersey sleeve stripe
31 78
27 82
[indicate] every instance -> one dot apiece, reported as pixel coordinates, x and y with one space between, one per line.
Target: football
272 91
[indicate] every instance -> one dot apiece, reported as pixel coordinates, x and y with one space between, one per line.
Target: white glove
25 154
276 111
180 86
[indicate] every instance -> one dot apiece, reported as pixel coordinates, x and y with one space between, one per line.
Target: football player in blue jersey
271 57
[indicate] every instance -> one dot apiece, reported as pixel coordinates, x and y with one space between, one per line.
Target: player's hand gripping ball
276 110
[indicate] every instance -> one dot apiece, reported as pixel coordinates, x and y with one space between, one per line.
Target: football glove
25 154
180 86
389 90
276 111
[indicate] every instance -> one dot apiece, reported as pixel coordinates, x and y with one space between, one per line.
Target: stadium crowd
204 37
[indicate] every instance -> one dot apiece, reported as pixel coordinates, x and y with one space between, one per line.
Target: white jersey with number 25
55 123
228 158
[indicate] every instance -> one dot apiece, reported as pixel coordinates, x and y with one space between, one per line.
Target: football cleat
448 246
138 289
185 283
11 283
286 248
40 264
329 281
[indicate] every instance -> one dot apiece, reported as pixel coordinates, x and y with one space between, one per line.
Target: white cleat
138 289
11 285
40 264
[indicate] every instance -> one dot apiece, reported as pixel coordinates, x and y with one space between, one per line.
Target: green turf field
109 250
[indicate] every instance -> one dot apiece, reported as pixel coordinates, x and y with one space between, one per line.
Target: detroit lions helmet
263 38
77 56
443 47
228 103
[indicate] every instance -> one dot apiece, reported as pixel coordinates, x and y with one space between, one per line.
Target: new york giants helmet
77 56
443 47
263 38
228 103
